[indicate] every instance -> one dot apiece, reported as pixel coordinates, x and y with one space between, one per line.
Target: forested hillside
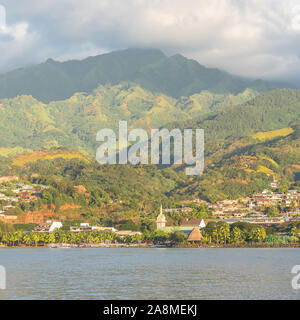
28 124
247 146
50 115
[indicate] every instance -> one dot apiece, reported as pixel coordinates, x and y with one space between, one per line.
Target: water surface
149 273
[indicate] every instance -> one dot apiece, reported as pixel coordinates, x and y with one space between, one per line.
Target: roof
195 235
127 233
194 222
43 227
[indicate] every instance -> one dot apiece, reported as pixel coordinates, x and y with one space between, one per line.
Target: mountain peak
150 68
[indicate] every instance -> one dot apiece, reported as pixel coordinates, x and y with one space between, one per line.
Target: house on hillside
48 226
82 227
86 227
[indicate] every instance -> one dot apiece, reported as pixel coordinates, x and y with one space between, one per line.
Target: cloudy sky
254 38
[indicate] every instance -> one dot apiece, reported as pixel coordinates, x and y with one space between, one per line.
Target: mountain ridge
175 76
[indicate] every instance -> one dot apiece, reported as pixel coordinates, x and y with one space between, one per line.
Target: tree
237 235
272 211
159 236
18 237
27 239
147 225
216 235
224 232
258 234
177 237
35 237
51 238
295 232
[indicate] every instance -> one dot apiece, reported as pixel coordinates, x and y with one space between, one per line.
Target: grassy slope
73 123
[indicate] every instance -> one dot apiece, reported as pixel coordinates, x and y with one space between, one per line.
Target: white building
55 225
49 226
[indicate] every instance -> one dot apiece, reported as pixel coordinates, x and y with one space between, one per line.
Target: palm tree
35 238
237 235
11 238
51 238
258 234
27 239
295 233
224 232
5 238
18 236
216 235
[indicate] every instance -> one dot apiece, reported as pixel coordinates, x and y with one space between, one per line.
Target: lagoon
149 273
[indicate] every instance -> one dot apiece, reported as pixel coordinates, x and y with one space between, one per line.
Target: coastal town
267 208
248 209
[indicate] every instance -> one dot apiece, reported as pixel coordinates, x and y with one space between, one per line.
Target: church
161 220
191 227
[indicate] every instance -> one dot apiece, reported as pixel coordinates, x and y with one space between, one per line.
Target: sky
251 38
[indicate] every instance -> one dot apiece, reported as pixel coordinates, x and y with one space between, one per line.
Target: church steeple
161 219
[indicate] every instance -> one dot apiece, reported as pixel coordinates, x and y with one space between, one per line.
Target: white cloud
257 38
16 43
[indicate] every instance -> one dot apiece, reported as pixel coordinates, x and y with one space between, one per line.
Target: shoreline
148 246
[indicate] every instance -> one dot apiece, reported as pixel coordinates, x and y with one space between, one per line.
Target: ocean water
149 273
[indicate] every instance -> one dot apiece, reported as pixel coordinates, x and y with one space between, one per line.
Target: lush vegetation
236 164
239 233
28 124
250 140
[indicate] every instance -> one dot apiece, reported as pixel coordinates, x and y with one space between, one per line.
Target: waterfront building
195 235
125 233
86 227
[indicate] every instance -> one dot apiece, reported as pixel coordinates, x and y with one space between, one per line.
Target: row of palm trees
219 233
222 233
38 239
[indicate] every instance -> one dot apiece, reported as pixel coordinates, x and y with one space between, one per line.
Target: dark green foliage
176 76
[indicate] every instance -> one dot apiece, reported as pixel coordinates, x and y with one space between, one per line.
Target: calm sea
149 273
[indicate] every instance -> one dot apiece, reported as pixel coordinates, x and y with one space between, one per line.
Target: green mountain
247 145
28 124
175 76
274 110
249 165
